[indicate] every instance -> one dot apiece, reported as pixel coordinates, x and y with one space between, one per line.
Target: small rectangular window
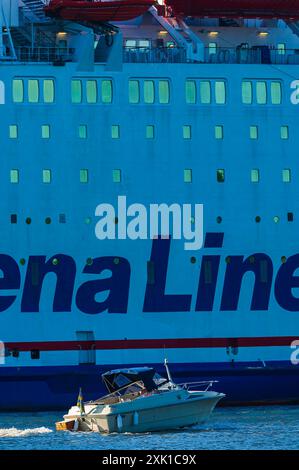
14 176
281 49
13 131
84 176
220 92
49 91
149 91
205 92
247 92
91 91
187 175
115 132
82 131
107 91
163 91
18 91
47 176
76 89
255 176
35 354
290 217
218 132
46 131
134 93
286 175
150 132
62 218
33 91
212 47
253 132
187 132
261 92
13 218
276 93
220 174
190 89
284 132
116 176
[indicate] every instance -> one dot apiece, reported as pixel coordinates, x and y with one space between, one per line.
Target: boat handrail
207 383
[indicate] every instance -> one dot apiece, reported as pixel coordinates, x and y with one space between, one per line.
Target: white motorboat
140 400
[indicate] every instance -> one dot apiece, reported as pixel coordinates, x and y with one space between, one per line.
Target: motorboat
140 400
97 11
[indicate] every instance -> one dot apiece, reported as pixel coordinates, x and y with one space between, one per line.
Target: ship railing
204 384
44 54
219 55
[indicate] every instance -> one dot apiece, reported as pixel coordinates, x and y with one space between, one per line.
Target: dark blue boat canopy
122 378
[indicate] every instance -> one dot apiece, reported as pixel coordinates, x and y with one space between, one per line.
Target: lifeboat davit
97 11
285 9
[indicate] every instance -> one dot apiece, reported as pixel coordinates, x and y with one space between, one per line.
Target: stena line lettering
104 284
295 93
2 92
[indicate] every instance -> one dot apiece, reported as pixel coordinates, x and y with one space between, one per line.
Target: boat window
144 43
187 175
219 132
14 176
286 175
84 176
115 132
49 92
131 43
35 354
116 176
212 48
205 92
284 132
261 92
33 91
47 176
281 49
163 91
187 132
91 91
18 91
46 131
76 91
134 92
190 89
150 132
13 131
149 91
220 92
255 176
107 91
275 92
82 131
247 92
253 132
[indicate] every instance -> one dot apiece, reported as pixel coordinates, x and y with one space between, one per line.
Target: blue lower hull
45 388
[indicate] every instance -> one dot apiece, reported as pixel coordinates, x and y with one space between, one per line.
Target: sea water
273 427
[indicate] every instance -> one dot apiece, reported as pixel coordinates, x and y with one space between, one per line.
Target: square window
188 175
284 132
115 132
187 132
150 132
35 354
45 132
82 132
286 175
13 132
253 132
116 176
255 176
84 176
14 176
220 175
47 176
218 132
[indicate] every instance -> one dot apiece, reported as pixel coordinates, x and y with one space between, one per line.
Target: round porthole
47 220
258 219
89 261
193 259
55 261
219 219
28 220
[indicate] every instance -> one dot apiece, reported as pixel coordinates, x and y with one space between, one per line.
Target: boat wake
14 432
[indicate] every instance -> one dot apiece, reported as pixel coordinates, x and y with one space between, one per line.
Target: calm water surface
229 428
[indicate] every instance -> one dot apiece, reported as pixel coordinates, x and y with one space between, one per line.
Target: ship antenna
167 370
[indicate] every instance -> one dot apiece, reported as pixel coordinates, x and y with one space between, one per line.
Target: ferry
170 103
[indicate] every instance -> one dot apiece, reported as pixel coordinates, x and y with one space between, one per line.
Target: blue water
228 428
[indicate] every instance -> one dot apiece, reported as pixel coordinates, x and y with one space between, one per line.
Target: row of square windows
149 132
117 175
147 91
